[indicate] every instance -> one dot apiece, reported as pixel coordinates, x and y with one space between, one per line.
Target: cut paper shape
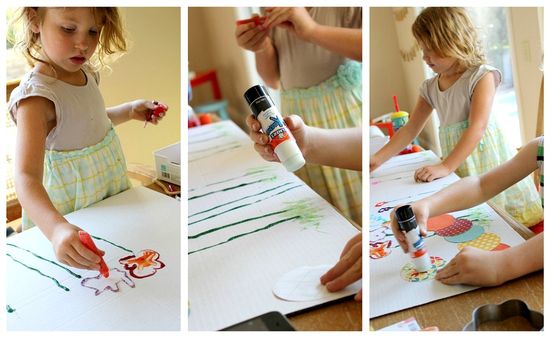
440 222
409 273
470 235
458 227
501 246
144 265
303 284
379 249
100 284
487 241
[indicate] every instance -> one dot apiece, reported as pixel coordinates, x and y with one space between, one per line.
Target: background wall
150 70
212 45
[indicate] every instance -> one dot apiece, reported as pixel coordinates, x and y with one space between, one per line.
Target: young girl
336 148
475 266
68 154
311 54
462 93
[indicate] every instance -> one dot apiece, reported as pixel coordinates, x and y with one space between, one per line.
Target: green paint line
211 148
118 246
244 205
237 200
234 223
47 260
270 225
206 139
250 172
40 272
10 309
214 153
234 187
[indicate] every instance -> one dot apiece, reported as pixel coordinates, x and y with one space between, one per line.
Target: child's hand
142 109
422 212
431 172
261 141
474 266
70 251
251 37
295 19
348 270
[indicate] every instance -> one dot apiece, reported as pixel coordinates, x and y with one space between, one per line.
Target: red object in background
205 118
416 148
205 77
385 125
89 243
258 20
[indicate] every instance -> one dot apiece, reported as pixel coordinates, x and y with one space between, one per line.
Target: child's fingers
253 123
81 251
276 16
344 265
359 296
257 38
266 152
67 260
449 273
84 262
346 278
350 244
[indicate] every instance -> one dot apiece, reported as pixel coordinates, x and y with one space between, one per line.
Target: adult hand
348 269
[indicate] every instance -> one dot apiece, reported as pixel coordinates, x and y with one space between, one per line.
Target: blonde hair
112 38
449 32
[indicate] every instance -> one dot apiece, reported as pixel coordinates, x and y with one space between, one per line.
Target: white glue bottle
407 222
280 138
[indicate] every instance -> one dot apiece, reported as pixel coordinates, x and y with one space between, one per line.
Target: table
458 309
344 315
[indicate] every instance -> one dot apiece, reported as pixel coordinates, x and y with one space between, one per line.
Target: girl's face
69 37
440 65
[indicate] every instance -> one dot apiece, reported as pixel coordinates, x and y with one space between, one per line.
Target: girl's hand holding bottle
147 110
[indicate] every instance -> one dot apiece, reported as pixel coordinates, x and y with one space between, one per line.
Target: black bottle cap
405 218
255 92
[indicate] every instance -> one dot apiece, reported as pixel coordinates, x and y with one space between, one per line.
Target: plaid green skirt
335 103
521 200
78 178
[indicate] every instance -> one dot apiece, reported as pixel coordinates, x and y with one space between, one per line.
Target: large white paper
136 219
393 184
232 282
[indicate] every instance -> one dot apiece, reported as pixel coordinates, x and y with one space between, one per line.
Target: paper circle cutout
409 273
303 284
458 227
470 235
440 222
487 241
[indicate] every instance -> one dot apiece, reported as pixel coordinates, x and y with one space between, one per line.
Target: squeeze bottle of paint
280 138
407 222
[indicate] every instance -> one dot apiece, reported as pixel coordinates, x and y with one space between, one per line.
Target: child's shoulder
31 84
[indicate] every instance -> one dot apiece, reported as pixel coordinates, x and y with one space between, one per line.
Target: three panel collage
121 218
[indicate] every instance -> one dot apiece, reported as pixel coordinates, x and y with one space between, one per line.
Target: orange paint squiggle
144 265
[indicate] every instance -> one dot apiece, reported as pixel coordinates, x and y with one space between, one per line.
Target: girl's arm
473 190
35 118
256 39
343 41
482 101
404 135
135 110
471 265
267 64
339 148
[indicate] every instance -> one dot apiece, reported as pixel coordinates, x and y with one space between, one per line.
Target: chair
218 105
